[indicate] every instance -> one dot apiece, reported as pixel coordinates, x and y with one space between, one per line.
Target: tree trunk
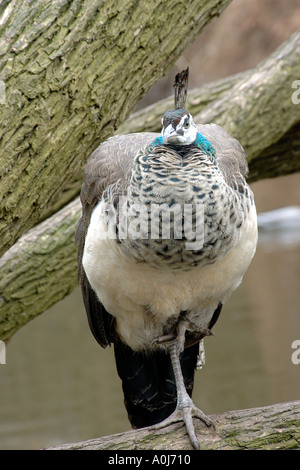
31 282
275 427
73 70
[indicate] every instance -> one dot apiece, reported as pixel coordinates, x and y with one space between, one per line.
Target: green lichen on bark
39 270
274 427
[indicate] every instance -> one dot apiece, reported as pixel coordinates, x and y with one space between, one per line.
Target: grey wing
112 161
230 154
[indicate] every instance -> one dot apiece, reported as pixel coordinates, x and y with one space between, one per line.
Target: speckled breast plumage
167 177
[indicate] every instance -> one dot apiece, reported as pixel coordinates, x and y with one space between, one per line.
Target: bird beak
170 135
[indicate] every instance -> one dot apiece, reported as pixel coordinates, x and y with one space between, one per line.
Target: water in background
59 386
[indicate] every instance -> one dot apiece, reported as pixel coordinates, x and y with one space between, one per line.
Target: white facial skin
184 134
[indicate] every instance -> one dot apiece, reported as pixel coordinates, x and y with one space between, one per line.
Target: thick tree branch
275 427
39 270
281 158
73 70
149 118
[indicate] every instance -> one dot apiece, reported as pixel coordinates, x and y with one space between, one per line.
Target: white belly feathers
144 299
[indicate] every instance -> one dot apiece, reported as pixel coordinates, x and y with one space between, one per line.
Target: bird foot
186 413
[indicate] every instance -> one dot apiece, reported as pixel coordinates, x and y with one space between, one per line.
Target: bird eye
186 124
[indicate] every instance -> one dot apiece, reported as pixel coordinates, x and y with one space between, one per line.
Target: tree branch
149 118
39 270
281 158
275 427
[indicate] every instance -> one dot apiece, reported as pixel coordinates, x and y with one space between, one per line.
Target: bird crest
181 86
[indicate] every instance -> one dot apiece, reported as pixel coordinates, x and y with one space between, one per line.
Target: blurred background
58 386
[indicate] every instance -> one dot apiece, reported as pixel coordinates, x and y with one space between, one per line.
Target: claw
164 339
186 414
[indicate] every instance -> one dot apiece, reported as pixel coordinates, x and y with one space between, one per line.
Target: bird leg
185 408
178 334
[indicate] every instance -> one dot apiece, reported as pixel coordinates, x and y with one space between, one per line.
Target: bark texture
73 70
39 270
275 427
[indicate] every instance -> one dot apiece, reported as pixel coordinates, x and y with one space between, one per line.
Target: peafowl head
178 127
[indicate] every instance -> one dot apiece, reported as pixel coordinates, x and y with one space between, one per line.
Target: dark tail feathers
149 384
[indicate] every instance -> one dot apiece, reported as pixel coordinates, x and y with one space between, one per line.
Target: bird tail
148 382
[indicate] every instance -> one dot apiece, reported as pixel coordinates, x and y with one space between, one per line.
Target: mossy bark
275 427
39 270
73 70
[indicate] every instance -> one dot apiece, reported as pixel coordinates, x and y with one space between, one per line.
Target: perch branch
275 427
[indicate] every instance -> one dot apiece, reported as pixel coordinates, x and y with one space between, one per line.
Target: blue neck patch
204 144
201 142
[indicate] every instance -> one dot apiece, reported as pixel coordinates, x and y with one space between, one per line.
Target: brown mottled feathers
112 161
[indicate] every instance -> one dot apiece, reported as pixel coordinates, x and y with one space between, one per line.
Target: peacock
167 231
